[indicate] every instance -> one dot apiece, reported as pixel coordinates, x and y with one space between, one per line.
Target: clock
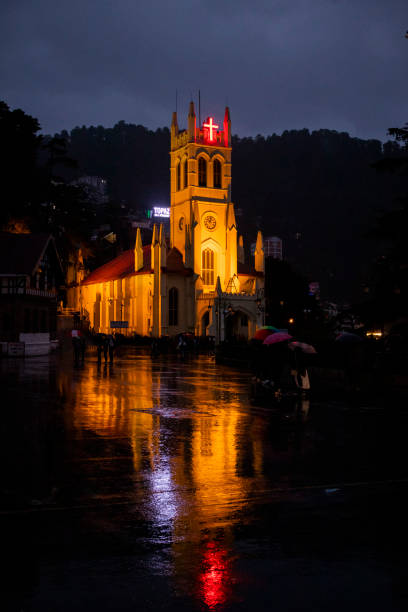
210 222
181 223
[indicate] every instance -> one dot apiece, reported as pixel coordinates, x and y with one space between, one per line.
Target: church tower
202 219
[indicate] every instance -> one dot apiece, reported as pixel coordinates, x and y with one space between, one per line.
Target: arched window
202 172
217 174
173 306
185 173
208 267
178 177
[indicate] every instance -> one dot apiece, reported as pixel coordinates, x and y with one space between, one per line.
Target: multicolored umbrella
263 333
278 337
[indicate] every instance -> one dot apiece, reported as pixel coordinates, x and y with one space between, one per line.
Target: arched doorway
236 325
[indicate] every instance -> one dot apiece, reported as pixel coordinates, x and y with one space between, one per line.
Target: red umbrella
278 337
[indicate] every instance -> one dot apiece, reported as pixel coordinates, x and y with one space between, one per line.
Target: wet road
155 485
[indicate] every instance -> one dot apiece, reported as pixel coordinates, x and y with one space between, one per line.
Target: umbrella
278 337
305 348
348 337
263 333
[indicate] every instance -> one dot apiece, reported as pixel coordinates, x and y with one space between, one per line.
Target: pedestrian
111 347
105 347
76 344
99 346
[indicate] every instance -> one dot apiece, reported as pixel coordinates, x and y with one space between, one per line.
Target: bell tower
202 219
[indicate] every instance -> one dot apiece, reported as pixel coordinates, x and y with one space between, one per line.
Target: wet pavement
156 485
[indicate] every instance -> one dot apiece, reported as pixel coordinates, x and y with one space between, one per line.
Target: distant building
30 272
272 247
95 187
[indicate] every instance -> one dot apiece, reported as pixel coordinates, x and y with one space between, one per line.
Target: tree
20 145
390 280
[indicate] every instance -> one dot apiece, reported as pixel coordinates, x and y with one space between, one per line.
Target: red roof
124 265
120 267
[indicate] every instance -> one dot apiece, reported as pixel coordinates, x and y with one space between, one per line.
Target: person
76 344
300 373
155 348
182 346
105 346
278 363
100 344
110 347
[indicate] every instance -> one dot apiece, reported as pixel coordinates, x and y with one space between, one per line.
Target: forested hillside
316 190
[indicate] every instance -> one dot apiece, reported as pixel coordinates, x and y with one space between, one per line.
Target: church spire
231 217
191 123
162 238
259 253
227 127
241 252
154 242
138 251
162 246
174 130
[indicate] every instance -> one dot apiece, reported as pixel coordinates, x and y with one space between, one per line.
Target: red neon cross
210 125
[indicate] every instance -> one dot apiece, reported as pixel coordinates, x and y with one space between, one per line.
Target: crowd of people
183 344
105 345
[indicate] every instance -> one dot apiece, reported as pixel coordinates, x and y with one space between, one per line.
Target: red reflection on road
215 576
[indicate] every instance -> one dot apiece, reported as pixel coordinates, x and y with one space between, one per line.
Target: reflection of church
200 281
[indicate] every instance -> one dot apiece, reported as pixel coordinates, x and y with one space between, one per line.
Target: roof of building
123 265
175 263
22 253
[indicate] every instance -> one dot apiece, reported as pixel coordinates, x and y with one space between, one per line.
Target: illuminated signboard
161 211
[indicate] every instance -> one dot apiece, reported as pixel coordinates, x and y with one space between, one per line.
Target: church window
217 174
178 179
202 172
173 306
185 174
208 267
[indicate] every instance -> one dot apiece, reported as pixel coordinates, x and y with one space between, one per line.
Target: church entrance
236 325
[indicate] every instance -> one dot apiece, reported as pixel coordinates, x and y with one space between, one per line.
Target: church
196 279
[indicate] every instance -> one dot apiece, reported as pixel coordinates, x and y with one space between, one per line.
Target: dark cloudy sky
280 64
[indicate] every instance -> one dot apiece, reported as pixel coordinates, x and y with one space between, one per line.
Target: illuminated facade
200 281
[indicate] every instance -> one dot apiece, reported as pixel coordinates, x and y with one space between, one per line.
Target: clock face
181 223
210 222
